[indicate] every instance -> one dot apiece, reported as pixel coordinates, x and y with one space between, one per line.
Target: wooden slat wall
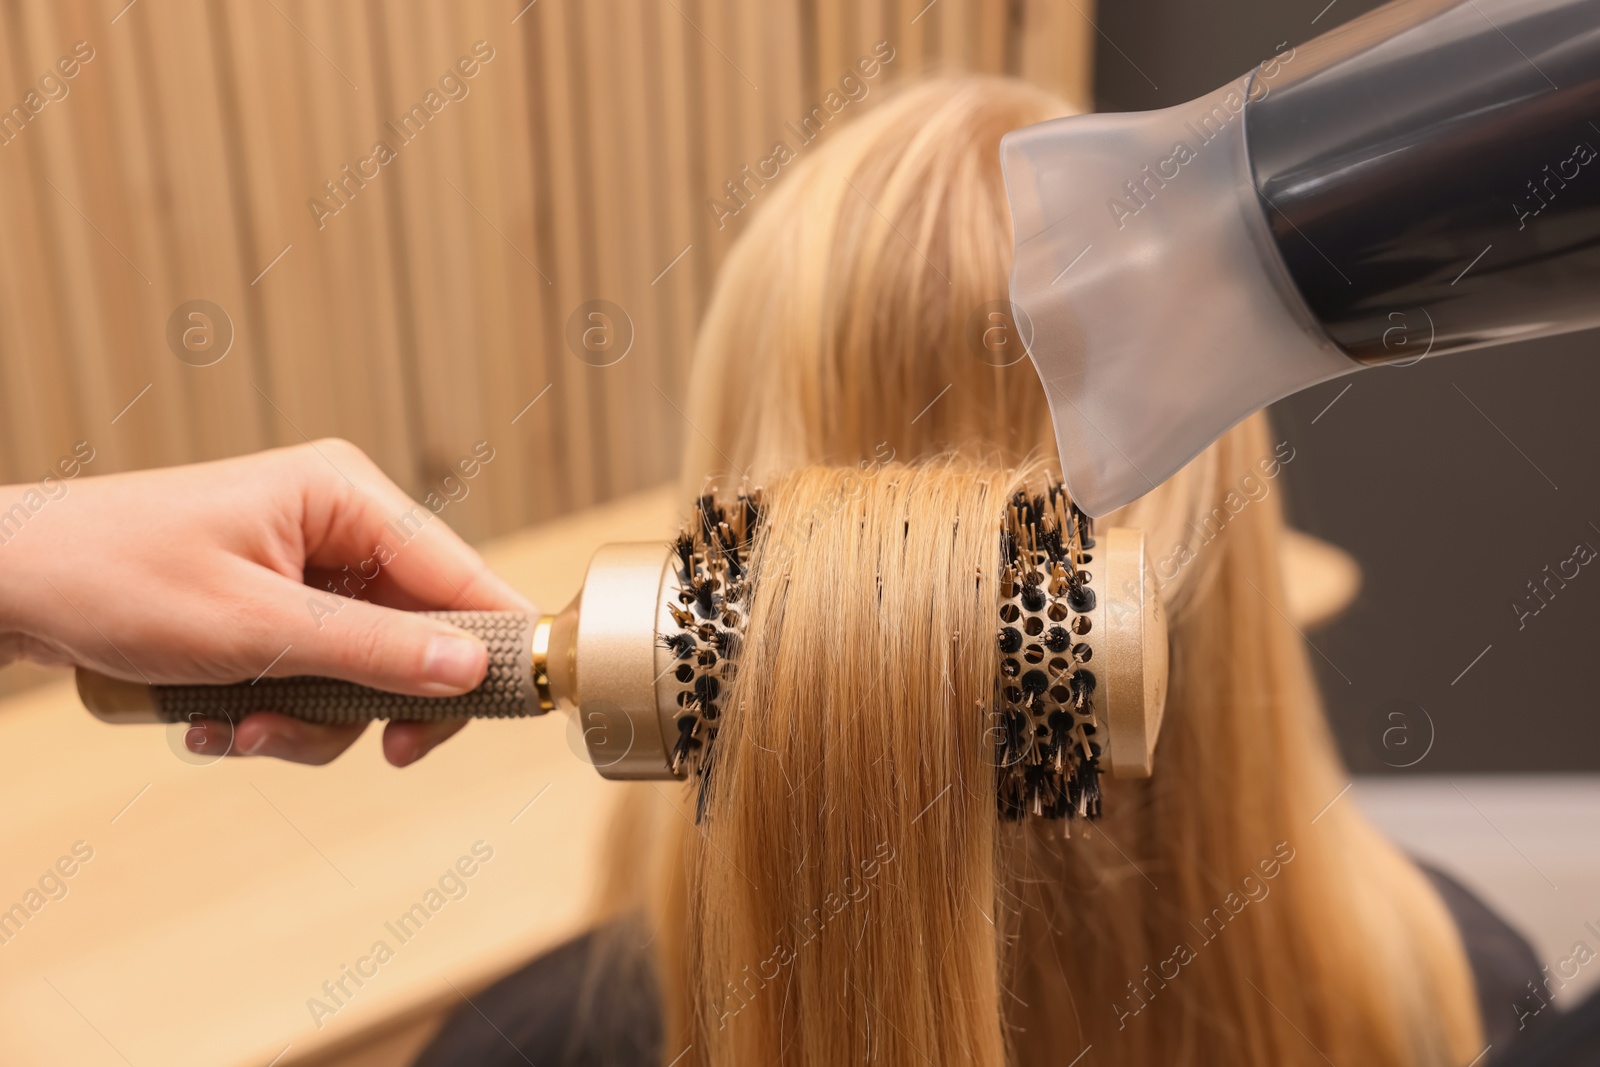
424 315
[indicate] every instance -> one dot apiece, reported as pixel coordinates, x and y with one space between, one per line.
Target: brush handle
508 690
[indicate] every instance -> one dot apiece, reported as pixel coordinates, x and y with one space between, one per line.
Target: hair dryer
1424 179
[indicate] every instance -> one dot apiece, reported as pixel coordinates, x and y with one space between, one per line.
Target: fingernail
195 739
453 663
263 745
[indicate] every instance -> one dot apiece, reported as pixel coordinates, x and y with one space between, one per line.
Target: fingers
406 742
267 733
398 651
360 524
360 536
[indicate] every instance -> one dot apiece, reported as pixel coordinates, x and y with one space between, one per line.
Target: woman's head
841 332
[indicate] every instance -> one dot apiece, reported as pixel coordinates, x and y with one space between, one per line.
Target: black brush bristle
681 644
715 583
1045 704
704 596
709 514
683 548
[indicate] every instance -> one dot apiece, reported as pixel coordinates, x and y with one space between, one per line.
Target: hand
218 572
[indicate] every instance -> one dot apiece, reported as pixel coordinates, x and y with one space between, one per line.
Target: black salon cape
593 1002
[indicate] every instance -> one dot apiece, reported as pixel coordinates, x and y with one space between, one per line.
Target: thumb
388 649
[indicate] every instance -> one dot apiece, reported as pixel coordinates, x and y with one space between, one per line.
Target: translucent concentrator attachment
1148 290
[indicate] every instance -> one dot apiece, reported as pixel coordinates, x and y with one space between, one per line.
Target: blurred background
417 311
202 254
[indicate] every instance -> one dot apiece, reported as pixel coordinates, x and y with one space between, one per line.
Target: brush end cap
1135 651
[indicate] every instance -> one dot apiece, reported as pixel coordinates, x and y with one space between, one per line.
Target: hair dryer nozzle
1148 290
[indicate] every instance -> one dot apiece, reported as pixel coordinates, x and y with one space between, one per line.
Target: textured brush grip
507 690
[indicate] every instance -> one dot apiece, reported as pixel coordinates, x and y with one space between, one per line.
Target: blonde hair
1230 909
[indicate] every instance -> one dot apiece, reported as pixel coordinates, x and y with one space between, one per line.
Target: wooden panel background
430 310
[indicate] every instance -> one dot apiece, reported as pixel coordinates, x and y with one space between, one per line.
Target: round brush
644 656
